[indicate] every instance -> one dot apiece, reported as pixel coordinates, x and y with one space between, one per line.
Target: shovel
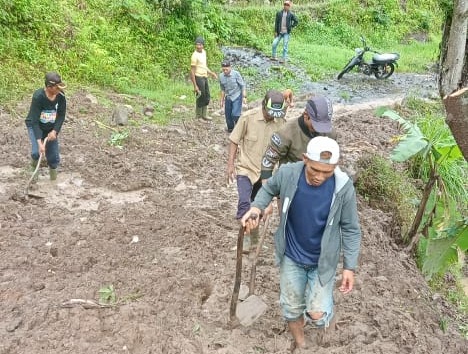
253 306
253 271
27 192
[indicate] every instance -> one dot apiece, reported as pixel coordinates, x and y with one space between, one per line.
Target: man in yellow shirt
199 75
251 136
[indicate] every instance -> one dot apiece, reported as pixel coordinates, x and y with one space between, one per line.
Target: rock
120 115
148 111
91 99
14 324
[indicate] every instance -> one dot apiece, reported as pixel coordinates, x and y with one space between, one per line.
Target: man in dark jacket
289 143
285 20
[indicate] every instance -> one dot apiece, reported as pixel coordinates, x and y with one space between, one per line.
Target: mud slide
156 221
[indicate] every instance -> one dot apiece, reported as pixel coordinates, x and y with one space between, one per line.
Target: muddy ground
155 220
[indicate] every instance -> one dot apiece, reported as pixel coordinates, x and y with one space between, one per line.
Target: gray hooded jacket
342 233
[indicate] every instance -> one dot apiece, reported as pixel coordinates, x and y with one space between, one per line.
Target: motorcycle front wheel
347 68
384 71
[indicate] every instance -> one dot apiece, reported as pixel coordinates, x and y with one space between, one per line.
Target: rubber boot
198 113
53 174
205 113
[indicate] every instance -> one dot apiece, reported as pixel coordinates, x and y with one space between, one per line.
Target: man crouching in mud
318 219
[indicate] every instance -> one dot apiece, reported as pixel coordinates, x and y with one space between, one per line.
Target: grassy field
140 47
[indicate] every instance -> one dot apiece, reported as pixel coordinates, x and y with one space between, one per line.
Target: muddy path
155 220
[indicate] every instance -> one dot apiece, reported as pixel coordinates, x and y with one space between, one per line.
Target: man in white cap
318 222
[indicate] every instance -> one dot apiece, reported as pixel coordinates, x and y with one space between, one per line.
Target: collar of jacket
305 129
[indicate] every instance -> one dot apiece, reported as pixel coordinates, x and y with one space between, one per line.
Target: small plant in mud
107 295
345 95
118 138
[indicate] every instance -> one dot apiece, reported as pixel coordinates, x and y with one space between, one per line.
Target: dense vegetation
143 46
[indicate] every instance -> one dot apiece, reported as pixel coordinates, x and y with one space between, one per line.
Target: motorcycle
382 64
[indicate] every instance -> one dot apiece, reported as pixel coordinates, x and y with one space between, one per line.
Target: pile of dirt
155 220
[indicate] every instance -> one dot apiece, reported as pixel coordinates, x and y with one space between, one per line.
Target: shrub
387 189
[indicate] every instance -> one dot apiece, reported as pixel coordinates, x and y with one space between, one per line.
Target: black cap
320 111
53 79
274 104
225 64
199 40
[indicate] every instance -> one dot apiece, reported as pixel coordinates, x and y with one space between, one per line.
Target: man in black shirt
45 118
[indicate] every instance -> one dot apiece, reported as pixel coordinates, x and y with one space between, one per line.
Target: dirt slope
167 187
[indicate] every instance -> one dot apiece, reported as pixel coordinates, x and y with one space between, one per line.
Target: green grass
450 287
135 47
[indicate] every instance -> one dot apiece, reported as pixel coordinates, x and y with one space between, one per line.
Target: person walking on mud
285 21
233 94
289 143
247 142
44 120
318 221
199 75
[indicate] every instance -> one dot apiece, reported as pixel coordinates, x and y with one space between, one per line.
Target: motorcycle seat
385 57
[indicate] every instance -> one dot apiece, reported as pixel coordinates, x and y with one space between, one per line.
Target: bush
387 189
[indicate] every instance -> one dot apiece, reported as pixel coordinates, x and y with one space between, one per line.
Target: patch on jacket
266 163
276 139
271 153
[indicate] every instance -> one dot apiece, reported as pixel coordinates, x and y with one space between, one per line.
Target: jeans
52 149
285 38
247 193
301 292
232 111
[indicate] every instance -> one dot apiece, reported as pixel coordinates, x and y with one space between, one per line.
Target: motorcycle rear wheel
384 71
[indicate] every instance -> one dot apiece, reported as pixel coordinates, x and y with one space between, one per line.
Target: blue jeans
301 292
52 149
247 192
285 38
232 111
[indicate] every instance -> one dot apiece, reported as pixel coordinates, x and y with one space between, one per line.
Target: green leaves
434 150
118 138
445 251
107 295
410 144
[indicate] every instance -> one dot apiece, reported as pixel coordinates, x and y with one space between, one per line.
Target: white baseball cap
320 144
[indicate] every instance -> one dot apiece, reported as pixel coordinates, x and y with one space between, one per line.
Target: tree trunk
456 106
413 234
454 73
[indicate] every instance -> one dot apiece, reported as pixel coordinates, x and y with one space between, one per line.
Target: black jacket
291 21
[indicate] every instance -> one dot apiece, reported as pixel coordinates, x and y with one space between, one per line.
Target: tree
453 78
437 219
